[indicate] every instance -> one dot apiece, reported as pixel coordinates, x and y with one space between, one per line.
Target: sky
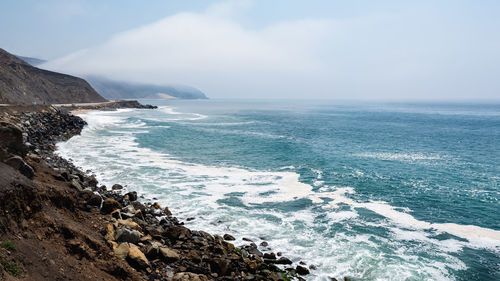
444 50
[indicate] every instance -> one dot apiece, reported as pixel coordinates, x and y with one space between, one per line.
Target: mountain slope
123 90
22 83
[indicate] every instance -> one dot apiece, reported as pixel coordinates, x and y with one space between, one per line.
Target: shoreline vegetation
61 224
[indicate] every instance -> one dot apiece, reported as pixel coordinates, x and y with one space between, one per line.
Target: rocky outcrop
22 83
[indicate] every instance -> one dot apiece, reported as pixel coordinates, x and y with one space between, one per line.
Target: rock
177 233
109 205
302 270
137 258
252 249
312 267
283 260
156 206
122 250
188 276
220 266
18 163
65 175
11 138
129 223
131 196
94 200
229 246
110 232
155 232
229 237
138 206
247 239
76 184
126 235
152 251
264 244
169 255
92 181
128 211
167 212
194 255
206 235
252 265
117 187
271 256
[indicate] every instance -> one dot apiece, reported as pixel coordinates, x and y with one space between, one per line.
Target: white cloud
375 56
202 49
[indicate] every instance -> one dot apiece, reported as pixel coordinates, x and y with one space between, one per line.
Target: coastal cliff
58 223
22 83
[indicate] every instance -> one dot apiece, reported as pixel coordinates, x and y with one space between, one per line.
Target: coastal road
84 104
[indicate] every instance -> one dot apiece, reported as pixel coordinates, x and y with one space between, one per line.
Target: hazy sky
446 50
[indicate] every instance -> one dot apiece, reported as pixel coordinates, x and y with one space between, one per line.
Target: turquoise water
369 191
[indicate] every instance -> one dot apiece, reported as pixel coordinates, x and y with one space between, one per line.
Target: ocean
371 191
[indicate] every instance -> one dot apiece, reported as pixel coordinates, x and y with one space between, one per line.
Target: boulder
270 256
18 163
128 211
92 181
283 260
177 233
152 251
11 138
122 250
131 196
169 255
188 276
109 205
229 237
117 187
137 258
302 270
127 235
94 200
75 183
138 206
220 266
129 223
167 212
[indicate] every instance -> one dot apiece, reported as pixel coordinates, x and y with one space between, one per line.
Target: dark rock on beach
109 205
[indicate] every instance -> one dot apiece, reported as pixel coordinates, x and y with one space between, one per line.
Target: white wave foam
399 156
224 124
171 111
478 237
246 133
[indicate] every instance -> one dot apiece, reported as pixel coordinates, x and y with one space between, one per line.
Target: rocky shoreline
145 239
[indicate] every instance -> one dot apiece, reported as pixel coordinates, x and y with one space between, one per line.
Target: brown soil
54 238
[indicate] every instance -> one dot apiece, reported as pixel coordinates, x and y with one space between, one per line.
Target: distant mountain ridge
22 83
113 89
116 90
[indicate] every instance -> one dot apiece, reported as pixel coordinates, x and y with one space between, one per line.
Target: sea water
370 191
